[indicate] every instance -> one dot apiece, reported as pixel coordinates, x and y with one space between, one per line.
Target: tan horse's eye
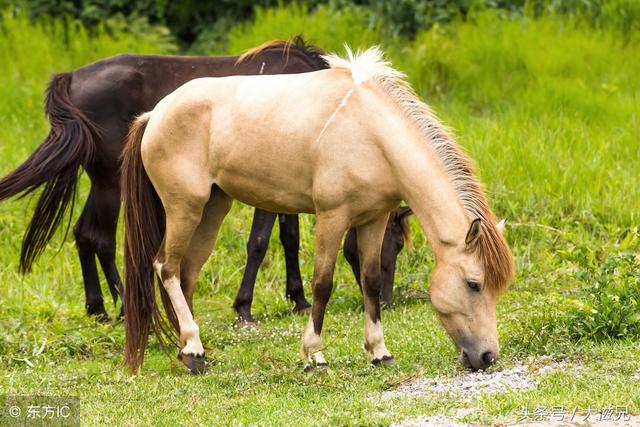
474 286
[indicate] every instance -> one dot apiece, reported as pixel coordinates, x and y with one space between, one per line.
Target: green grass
548 109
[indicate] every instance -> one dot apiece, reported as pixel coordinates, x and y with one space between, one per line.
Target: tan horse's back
284 151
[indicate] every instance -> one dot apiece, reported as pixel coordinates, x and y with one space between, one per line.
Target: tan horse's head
465 288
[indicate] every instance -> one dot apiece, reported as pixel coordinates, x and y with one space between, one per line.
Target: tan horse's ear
501 225
473 234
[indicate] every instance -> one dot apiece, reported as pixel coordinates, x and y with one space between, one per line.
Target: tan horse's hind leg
183 215
370 237
330 227
202 242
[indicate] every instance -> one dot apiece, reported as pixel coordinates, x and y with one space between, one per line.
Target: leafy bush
327 27
595 296
609 306
205 22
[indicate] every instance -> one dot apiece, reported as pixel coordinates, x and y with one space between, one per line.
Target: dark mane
313 53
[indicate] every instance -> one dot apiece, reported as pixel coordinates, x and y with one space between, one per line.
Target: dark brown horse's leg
83 232
290 239
350 250
388 266
330 227
370 237
256 249
107 223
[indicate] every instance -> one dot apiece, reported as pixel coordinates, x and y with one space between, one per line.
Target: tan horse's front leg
370 237
330 227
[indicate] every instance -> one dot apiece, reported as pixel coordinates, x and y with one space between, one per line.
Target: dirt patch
468 385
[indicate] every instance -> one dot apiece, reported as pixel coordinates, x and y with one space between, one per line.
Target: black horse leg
83 234
388 261
107 220
290 239
256 250
350 251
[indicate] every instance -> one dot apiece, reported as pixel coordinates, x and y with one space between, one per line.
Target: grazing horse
348 144
90 110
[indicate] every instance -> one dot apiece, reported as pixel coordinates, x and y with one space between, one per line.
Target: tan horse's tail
144 224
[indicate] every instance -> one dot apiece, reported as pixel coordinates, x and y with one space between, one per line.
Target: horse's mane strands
285 45
492 247
313 53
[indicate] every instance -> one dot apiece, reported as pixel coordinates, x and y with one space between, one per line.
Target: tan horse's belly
265 194
264 174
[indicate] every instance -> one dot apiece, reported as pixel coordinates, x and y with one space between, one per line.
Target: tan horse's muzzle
478 359
477 340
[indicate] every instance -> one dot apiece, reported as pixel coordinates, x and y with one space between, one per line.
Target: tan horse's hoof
196 364
318 367
385 361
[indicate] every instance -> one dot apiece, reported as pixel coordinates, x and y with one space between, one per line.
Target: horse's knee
83 242
372 281
322 289
90 239
257 246
166 271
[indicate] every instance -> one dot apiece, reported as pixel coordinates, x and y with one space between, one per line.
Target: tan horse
347 144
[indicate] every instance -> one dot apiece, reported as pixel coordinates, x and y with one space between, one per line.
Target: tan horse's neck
425 185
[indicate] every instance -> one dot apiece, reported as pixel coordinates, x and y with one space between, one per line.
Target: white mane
364 65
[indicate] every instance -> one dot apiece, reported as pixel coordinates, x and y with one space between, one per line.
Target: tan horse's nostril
488 358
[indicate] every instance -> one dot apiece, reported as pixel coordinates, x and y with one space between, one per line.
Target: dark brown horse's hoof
102 318
302 310
246 324
196 364
385 361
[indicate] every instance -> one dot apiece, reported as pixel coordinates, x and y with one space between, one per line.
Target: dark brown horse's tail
144 224
55 165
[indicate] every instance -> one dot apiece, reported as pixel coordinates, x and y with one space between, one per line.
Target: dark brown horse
90 110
